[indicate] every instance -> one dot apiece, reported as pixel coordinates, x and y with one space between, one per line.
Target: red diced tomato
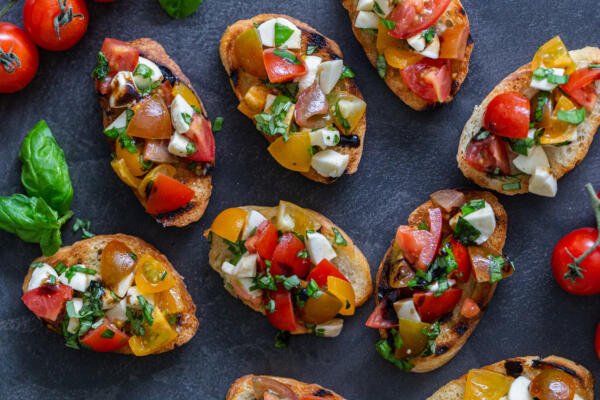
263 241
429 79
48 301
287 254
488 155
167 194
581 87
201 134
508 115
280 69
324 269
379 318
432 308
461 255
121 56
283 317
105 338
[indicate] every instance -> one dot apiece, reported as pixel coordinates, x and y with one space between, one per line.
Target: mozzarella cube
366 20
117 313
269 102
382 7
119 123
266 31
124 285
331 328
132 298
329 163
73 325
405 309
417 42
228 268
519 389
365 5
312 67
536 158
324 137
123 92
329 74
433 49
543 84
179 145
144 82
436 285
252 223
484 221
542 182
40 276
246 267
79 281
284 221
319 248
181 114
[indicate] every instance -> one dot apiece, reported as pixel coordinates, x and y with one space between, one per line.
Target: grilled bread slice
244 388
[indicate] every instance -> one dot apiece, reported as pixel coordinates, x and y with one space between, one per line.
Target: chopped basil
542 99
311 49
120 134
264 282
511 186
287 56
282 34
147 309
522 146
548 74
389 24
377 9
432 333
465 232
143 70
496 265
289 89
594 66
575 117
482 135
338 115
71 310
347 73
190 148
84 226
437 271
312 289
237 249
289 283
37 264
107 334
272 122
339 239
386 352
423 226
91 311
60 268
270 306
52 280
472 206
381 65
136 321
100 71
70 273
187 118
429 34
302 254
218 125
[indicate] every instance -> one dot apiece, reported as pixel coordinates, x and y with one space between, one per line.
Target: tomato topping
167 194
263 241
461 255
574 244
292 153
469 309
155 336
324 269
116 262
581 87
432 308
430 247
554 54
312 108
229 223
429 79
287 254
343 290
21 59
381 317
249 52
281 69
414 16
201 134
508 115
151 119
283 317
105 338
152 276
454 42
120 55
318 310
486 384
48 301
553 384
488 155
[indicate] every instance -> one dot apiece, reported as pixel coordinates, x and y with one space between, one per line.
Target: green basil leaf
180 8
100 71
287 56
282 34
381 65
572 116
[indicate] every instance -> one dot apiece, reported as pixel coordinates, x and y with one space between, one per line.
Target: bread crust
451 339
455 389
328 50
242 389
88 252
460 68
201 185
562 159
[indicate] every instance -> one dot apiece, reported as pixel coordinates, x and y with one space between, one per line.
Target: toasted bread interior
242 389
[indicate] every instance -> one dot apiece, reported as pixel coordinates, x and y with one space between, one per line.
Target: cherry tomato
488 155
411 241
575 244
19 58
432 308
597 340
324 269
280 69
48 301
55 24
553 384
167 194
469 309
151 119
454 42
429 79
120 55
581 87
283 317
429 251
105 338
461 255
507 115
287 254
201 134
152 276
263 241
382 317
116 262
414 16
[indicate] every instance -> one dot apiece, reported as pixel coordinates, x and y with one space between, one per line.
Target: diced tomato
287 255
48 301
461 255
581 87
414 16
429 79
488 155
105 338
324 269
508 115
103 86
411 241
157 151
201 134
469 309
121 56
165 90
454 42
432 308
280 69
283 318
430 247
379 318
263 241
167 194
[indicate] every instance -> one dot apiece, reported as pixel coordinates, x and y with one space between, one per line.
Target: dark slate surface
407 156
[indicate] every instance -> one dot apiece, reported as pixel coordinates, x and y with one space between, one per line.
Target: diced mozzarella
433 49
119 123
109 300
142 82
179 110
324 137
383 5
417 42
436 285
312 67
484 221
132 297
245 268
269 101
329 74
366 20
329 163
543 84
266 31
543 183
40 276
79 281
519 389
331 328
178 145
228 268
123 91
253 222
319 248
124 285
536 158
365 5
73 325
405 309
284 221
117 313
242 289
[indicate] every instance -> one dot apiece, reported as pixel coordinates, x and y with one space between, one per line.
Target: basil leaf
282 34
539 107
389 24
472 206
465 232
429 34
381 65
287 56
100 71
572 116
311 49
180 8
347 73
45 172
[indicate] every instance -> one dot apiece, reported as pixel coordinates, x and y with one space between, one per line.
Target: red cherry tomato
121 56
55 24
324 269
429 79
19 58
461 255
48 301
581 87
105 338
488 155
432 308
414 16
507 115
597 341
287 255
381 317
283 318
430 249
200 133
576 243
263 241
167 194
281 69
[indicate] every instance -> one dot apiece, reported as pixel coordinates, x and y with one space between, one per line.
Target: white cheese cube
179 145
329 163
266 31
228 268
536 158
119 123
365 5
543 183
324 137
543 84
436 285
519 389
382 7
123 92
132 298
484 221
124 285
79 281
366 20
252 223
180 111
140 80
318 247
405 309
40 276
73 325
246 267
312 67
331 328
433 49
117 313
417 42
329 74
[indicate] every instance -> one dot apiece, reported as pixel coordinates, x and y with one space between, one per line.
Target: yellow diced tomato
293 154
120 167
229 223
170 301
344 291
554 54
384 40
400 59
249 53
486 385
414 341
152 276
156 336
187 94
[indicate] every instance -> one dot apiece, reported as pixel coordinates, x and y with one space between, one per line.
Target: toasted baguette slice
201 185
243 388
88 252
327 49
454 15
528 366
562 158
455 330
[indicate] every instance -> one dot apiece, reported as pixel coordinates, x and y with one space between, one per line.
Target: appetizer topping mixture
418 39
158 124
131 300
266 388
519 128
299 96
429 274
285 267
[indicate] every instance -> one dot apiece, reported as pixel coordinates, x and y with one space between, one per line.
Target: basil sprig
180 8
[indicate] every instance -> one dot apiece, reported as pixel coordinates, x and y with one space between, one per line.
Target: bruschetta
437 278
522 378
293 83
112 293
260 387
291 264
422 54
161 138
536 125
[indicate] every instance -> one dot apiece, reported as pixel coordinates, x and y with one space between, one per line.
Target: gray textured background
407 155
